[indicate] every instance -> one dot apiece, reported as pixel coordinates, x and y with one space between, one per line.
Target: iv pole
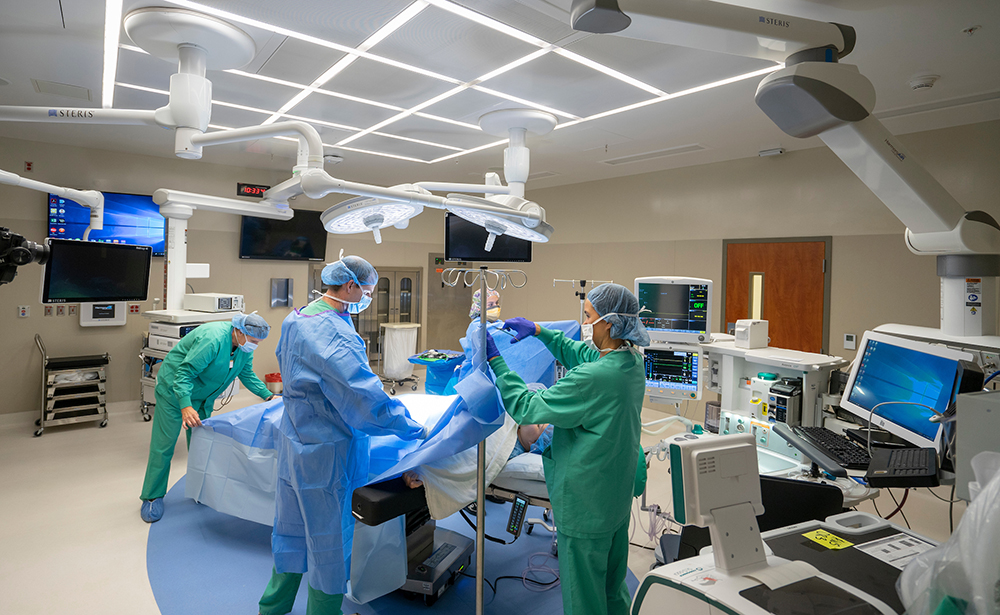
502 278
582 295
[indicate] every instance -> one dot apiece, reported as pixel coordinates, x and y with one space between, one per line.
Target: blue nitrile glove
491 348
522 328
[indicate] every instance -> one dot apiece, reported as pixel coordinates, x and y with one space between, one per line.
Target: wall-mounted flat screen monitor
129 219
95 272
302 238
466 241
892 375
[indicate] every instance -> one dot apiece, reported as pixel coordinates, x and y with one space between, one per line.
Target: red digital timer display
251 190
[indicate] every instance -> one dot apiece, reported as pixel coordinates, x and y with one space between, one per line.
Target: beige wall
669 223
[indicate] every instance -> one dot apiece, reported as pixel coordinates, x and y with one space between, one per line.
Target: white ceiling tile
143 69
446 43
434 131
235 118
347 22
666 67
376 143
395 86
519 15
340 111
299 62
250 92
469 106
567 86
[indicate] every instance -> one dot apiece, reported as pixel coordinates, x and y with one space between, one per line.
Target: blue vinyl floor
202 561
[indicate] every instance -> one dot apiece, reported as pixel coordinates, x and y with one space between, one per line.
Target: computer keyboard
905 467
848 454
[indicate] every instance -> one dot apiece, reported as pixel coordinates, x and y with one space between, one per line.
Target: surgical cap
252 324
492 301
617 300
350 268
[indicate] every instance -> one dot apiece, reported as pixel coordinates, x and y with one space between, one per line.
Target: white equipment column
175 258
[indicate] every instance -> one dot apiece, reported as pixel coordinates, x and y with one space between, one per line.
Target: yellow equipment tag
828 540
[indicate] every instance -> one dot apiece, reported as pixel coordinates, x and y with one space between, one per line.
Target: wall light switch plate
23 311
850 341
60 310
48 310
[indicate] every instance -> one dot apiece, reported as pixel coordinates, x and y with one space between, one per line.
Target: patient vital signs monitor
672 373
892 369
678 308
676 316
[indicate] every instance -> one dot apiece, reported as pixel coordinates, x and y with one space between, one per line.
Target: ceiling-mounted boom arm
713 26
812 95
91 199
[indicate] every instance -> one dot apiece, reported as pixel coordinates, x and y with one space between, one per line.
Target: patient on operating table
530 439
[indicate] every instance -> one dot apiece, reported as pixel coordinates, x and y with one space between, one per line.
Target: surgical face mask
587 330
360 306
587 333
247 346
493 314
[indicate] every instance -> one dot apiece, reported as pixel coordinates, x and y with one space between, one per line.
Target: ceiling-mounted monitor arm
814 95
91 199
713 26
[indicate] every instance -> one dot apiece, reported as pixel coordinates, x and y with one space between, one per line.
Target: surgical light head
369 214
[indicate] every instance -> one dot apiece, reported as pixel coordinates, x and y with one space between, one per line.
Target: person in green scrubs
594 466
195 372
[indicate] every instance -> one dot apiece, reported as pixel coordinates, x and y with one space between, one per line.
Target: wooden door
783 283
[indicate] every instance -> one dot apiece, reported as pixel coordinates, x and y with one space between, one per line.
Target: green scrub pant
592 574
166 428
279 597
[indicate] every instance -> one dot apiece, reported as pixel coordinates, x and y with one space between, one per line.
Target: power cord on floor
488 537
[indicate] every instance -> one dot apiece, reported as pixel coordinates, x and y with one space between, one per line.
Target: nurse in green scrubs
196 371
593 467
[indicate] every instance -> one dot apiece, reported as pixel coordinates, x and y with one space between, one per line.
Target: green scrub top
202 365
592 468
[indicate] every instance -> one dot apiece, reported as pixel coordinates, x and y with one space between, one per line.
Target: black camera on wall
15 251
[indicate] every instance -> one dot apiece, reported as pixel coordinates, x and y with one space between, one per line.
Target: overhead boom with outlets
814 95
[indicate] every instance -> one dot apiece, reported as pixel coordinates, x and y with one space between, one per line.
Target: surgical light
368 214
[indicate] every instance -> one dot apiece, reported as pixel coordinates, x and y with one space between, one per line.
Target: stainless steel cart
74 389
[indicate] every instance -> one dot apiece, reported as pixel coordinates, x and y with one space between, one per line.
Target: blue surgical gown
333 403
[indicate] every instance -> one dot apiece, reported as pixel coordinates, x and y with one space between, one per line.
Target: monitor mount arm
814 95
91 199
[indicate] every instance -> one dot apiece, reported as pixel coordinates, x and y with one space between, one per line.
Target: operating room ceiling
406 107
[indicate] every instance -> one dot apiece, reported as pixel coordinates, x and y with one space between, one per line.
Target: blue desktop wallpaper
128 219
894 373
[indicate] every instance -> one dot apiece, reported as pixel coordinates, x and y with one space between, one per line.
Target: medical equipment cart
73 389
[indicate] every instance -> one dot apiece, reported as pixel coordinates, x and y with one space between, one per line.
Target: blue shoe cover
152 510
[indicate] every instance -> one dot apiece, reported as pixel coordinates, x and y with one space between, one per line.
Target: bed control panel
518 511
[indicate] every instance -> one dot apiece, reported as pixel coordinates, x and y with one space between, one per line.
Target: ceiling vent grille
541 175
662 153
61 89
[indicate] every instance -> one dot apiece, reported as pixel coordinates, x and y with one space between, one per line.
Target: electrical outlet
133 308
23 311
72 310
48 310
60 310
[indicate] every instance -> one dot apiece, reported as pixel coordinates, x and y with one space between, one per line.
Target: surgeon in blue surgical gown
333 403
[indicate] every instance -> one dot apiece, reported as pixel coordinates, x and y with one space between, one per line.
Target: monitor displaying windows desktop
892 369
129 219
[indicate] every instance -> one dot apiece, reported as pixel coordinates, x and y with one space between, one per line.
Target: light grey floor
71 540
